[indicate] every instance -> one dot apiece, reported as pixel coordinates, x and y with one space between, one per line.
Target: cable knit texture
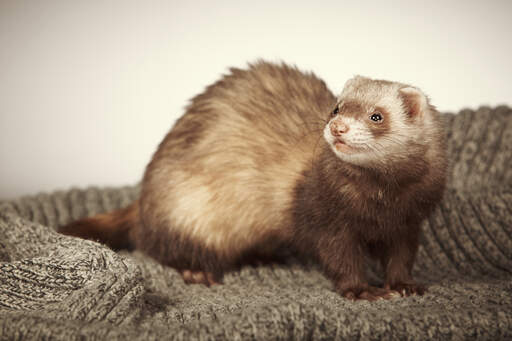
63 288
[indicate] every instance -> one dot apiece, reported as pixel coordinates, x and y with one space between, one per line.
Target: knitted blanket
63 288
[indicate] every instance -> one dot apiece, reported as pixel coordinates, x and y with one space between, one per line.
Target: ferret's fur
268 158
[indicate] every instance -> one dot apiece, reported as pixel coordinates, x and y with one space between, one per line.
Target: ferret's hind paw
199 277
370 294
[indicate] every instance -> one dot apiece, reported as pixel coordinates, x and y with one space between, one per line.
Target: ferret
268 159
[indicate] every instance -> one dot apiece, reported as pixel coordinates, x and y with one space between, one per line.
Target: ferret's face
375 122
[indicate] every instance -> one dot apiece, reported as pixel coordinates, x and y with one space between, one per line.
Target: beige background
89 88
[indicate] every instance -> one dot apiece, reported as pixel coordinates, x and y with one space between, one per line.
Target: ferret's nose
338 128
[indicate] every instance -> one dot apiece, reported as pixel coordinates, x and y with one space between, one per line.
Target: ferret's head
376 122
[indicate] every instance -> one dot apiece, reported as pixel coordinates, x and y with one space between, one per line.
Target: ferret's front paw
369 293
407 289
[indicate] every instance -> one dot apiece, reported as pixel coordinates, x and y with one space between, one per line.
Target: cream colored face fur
365 147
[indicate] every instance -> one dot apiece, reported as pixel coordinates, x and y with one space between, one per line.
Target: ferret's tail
112 229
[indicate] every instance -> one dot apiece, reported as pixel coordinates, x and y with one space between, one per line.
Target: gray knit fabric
63 288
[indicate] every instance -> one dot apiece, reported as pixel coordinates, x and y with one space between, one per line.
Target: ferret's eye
335 112
376 117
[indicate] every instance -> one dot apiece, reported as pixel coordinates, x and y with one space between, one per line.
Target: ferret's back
264 105
237 154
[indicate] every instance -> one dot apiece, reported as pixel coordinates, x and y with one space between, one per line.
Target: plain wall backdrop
89 88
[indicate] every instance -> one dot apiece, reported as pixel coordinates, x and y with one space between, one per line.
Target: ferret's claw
408 289
370 294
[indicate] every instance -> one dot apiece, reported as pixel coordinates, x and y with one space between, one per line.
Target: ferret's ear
356 80
415 101
351 85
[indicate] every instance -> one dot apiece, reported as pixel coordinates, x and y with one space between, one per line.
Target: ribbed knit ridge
57 287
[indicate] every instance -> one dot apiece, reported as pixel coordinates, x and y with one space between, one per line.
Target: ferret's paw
407 289
199 277
369 294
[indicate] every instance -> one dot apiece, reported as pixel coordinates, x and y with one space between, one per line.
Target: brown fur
246 173
111 228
